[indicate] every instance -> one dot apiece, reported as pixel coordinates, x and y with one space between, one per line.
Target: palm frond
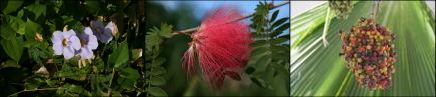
318 70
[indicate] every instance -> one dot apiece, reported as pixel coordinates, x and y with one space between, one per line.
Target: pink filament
222 45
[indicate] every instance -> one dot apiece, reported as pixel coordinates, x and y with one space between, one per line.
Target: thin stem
375 8
149 84
186 31
110 82
326 28
45 89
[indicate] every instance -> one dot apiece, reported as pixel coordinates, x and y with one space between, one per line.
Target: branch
45 89
187 31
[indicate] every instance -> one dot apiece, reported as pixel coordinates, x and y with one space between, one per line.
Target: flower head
65 43
99 31
368 51
222 46
88 42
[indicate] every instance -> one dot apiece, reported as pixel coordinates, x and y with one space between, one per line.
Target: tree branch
187 31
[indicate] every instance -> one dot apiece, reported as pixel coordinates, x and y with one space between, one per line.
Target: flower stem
110 82
375 8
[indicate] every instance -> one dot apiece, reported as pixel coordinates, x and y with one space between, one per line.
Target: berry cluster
369 53
341 7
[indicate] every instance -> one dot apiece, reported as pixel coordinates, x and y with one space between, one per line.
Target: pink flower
221 45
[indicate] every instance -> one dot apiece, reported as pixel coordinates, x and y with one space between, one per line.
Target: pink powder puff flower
222 46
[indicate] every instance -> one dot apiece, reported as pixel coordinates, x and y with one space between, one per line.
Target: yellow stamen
64 42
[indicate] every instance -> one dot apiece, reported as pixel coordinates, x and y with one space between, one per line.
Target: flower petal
58 48
68 52
68 34
107 35
88 31
75 42
86 53
113 28
57 37
100 31
92 42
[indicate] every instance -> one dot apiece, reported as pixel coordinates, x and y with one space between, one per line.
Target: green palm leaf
319 70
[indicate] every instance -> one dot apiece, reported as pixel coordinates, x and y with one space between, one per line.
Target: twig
45 89
187 31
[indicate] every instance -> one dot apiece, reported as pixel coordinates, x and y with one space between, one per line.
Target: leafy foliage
28 66
154 62
269 62
132 64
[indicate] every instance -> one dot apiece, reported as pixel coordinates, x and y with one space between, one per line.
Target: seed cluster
341 7
369 53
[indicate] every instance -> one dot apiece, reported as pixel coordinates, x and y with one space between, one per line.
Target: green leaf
280 40
33 83
259 82
158 70
16 24
31 29
70 72
120 55
129 73
13 47
152 40
7 32
37 9
280 29
264 56
9 63
52 83
263 62
76 89
12 5
280 21
93 6
165 30
274 15
156 91
157 81
128 78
